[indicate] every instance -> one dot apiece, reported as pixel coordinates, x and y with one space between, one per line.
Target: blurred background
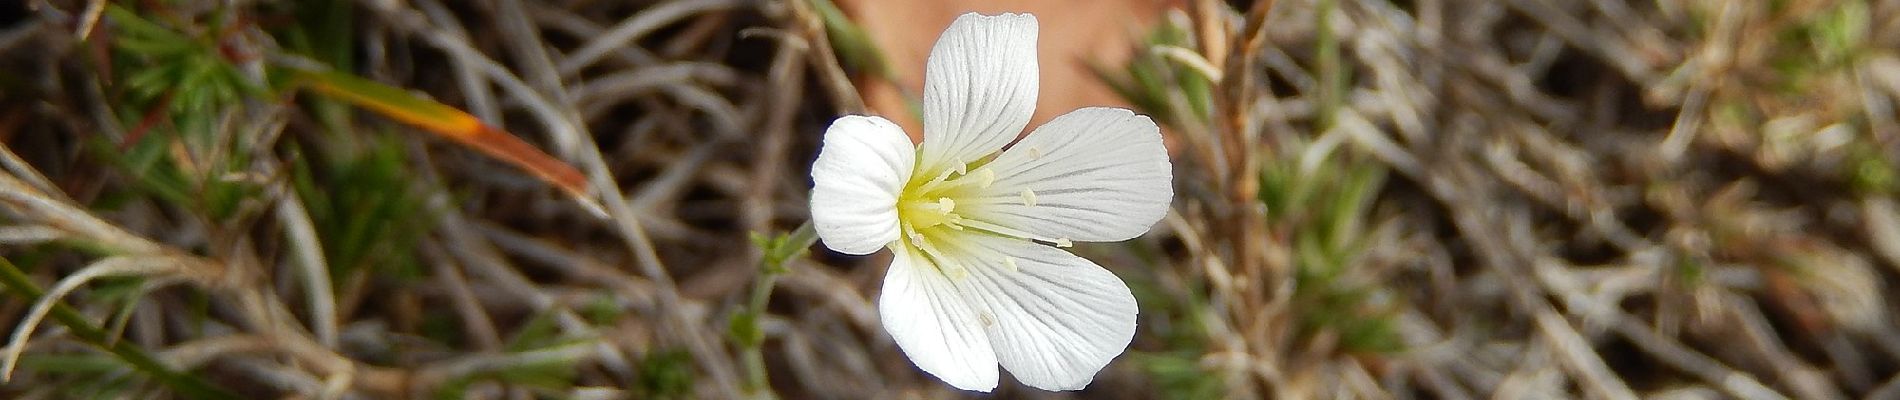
590 199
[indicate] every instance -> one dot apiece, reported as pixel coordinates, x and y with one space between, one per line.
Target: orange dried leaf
453 124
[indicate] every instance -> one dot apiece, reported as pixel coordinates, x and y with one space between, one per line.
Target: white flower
977 277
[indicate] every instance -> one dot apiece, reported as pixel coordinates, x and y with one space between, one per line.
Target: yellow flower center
928 210
922 213
928 204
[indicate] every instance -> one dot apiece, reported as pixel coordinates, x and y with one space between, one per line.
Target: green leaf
665 374
744 329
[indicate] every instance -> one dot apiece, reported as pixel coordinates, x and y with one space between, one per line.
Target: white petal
1056 319
1094 174
934 324
861 168
979 88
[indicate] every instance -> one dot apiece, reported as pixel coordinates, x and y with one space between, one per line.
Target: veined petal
979 88
1094 174
861 168
934 324
1055 319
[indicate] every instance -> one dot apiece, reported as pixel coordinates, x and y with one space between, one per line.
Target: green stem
750 339
188 386
1332 78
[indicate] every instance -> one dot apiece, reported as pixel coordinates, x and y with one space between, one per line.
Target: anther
1029 198
955 271
985 177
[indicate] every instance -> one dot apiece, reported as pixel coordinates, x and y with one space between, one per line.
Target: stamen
937 258
981 178
1001 230
911 232
923 214
1010 263
928 187
1064 242
1029 198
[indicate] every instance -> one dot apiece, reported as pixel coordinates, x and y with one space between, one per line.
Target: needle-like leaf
453 124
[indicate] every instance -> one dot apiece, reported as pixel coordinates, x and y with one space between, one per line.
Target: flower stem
744 329
188 386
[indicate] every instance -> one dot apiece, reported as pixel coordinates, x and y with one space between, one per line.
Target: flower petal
934 324
1055 319
1094 174
979 88
860 170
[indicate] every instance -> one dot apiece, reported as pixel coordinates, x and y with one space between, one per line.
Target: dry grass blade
123 266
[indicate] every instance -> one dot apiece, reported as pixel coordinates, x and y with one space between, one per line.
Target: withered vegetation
1375 199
